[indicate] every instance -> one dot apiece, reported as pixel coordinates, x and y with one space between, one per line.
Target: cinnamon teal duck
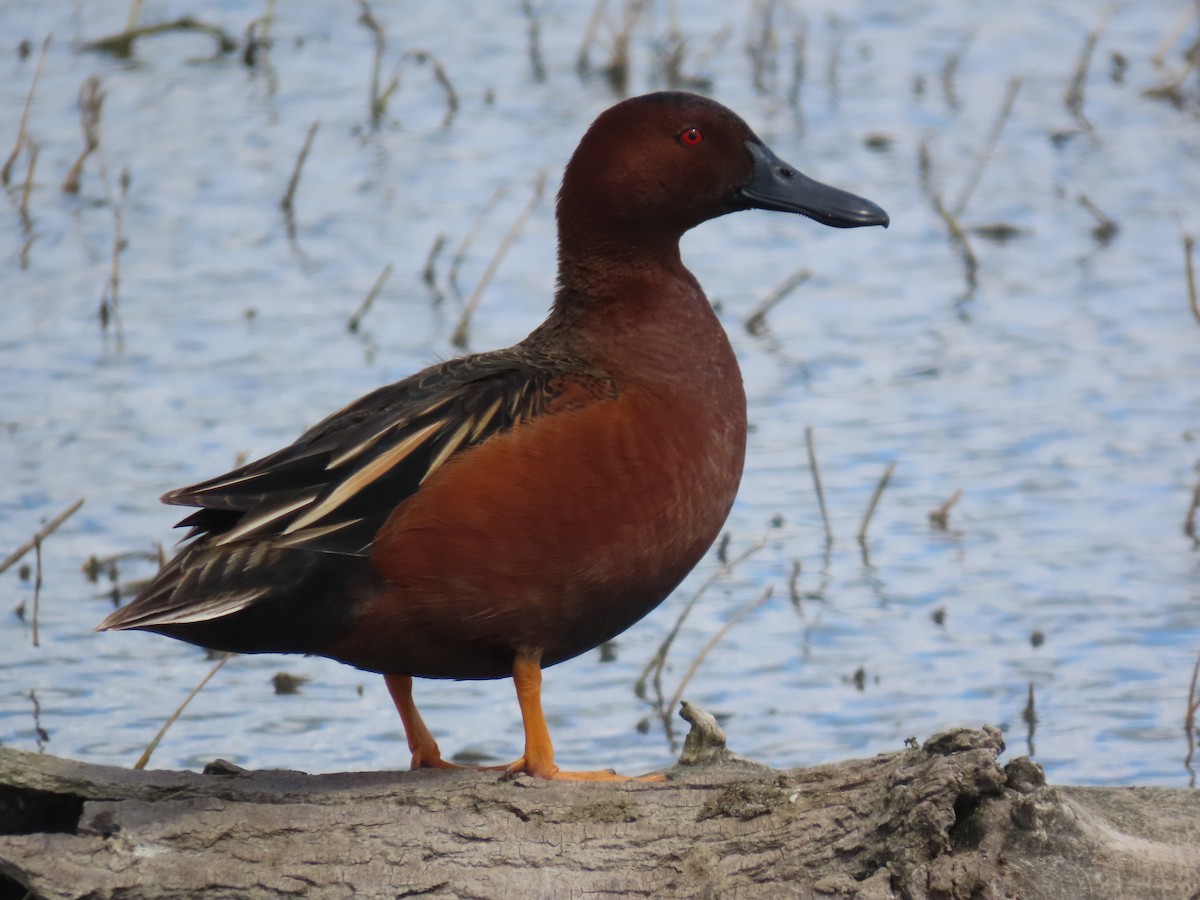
498 513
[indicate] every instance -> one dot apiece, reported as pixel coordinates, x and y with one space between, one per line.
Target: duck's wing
331 491
334 487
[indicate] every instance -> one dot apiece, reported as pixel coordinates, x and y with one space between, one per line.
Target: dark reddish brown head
654 166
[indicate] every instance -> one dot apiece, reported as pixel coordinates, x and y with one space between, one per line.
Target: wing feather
331 491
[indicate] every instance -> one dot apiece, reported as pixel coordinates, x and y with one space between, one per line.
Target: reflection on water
1058 395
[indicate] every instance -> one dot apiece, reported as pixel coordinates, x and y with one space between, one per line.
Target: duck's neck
639 310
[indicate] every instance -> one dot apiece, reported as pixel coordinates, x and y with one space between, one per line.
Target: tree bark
944 821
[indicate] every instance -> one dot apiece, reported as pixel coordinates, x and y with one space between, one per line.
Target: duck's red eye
690 137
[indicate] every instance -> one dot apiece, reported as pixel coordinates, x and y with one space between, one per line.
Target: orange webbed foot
554 773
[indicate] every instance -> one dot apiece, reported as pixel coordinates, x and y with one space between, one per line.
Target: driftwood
943 821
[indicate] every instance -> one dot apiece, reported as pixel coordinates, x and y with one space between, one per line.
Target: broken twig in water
290 194
368 20
461 253
536 63
879 489
1189 521
795 93
1189 720
950 72
957 236
461 331
357 317
429 270
91 104
583 65
816 474
37 591
714 640
989 147
121 45
756 322
26 190
940 518
1189 244
258 36
110 297
153 745
22 134
1106 229
1075 91
793 586
658 661
439 74
1171 37
41 534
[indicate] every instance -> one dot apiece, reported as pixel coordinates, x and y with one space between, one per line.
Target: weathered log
943 821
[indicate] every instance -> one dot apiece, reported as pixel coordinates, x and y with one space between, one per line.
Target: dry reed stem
658 660
989 147
1190 729
950 72
290 194
461 253
367 18
429 271
939 518
1189 521
617 70
793 586
26 190
357 317
599 12
810 443
536 64
1075 94
756 322
795 94
40 535
957 235
110 300
41 734
6 169
670 54
1190 269
91 105
135 15
763 48
439 73
673 53
153 745
1106 229
879 489
1170 90
1074 98
1172 36
258 35
121 45
37 591
461 331
1030 718
716 639
835 58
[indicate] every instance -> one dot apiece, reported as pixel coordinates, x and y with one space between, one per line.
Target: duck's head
654 166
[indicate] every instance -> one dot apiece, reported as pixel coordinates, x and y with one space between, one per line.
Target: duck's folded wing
334 487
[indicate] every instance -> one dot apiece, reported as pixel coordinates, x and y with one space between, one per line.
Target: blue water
1060 395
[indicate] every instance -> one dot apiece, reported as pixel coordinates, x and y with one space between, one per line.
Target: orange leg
425 752
538 760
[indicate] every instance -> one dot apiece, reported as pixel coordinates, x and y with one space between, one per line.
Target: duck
498 513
